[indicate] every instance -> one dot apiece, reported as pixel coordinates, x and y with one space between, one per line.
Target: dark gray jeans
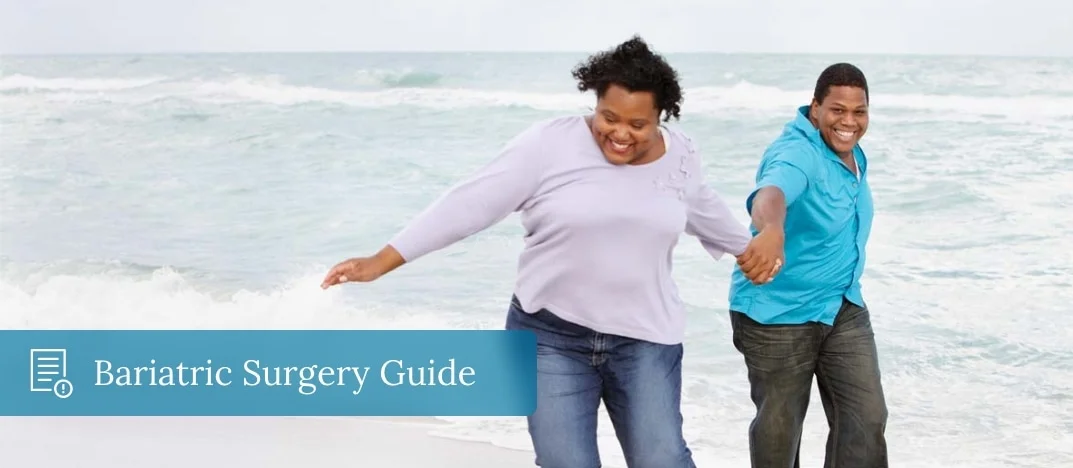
781 360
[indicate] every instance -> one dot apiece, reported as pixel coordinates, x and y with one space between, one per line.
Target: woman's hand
363 269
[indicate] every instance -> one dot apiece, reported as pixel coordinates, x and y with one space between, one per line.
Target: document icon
48 372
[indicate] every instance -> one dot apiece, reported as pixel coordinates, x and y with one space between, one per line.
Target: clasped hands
763 257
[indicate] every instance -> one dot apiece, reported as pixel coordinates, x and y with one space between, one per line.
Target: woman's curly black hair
635 67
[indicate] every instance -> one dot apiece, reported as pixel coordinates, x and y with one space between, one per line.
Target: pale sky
977 27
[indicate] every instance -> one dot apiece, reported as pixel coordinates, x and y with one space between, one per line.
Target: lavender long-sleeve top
599 237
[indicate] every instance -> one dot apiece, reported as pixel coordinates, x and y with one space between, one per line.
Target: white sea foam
164 299
705 100
31 84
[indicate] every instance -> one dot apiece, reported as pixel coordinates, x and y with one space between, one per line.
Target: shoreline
266 442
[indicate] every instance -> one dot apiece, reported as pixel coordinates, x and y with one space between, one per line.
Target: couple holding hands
604 198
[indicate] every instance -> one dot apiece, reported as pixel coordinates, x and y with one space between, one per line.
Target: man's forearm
769 209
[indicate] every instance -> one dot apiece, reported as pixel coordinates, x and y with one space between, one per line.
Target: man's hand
764 256
363 269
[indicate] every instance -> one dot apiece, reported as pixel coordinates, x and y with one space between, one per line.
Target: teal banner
267 373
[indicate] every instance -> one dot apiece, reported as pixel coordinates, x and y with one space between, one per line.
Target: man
812 212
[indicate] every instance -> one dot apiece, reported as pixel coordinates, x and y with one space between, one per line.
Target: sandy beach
268 442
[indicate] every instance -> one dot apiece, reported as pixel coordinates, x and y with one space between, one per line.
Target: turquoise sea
213 191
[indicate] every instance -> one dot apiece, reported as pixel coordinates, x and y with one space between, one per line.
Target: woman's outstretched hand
363 269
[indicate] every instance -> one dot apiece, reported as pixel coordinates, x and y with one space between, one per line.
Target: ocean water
213 191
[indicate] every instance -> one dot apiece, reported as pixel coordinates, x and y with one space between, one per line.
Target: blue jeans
782 359
639 383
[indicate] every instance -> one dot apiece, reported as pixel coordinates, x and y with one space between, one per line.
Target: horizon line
518 51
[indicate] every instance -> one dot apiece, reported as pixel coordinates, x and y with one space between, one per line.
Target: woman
603 199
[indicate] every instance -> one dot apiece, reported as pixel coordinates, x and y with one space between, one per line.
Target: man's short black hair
840 74
635 67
